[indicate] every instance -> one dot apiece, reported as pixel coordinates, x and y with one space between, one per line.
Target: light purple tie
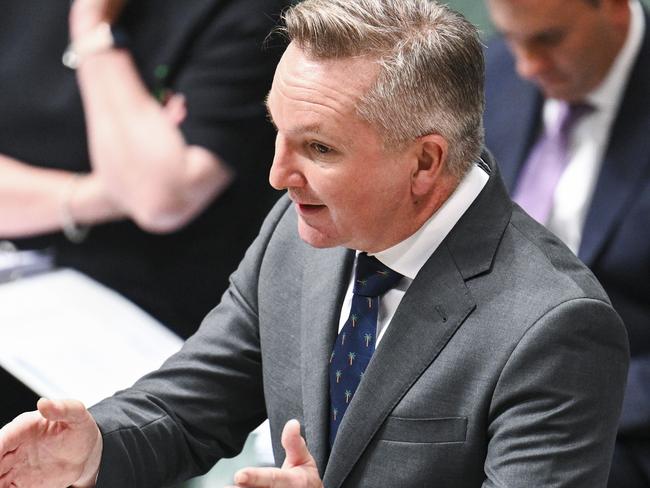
546 162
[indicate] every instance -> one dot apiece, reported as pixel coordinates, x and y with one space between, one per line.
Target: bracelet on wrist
71 230
99 39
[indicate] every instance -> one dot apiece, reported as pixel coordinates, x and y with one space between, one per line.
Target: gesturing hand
58 445
298 471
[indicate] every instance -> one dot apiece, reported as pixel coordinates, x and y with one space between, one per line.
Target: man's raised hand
56 446
298 471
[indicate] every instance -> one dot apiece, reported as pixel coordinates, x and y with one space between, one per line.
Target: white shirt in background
590 139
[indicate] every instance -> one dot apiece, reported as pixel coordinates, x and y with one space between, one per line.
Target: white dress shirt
408 256
590 138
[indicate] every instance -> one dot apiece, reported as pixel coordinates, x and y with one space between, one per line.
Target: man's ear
431 153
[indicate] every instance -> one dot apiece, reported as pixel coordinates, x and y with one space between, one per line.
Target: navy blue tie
356 342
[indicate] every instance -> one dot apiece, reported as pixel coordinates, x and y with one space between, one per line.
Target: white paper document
67 336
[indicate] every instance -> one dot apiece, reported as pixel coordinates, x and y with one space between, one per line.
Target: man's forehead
534 10
531 18
350 77
334 85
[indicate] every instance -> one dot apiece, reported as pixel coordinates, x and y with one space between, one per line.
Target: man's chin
560 91
314 237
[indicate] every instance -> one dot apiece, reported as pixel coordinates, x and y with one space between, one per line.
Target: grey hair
431 67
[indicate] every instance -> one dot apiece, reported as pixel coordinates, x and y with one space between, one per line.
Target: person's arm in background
32 199
137 151
142 167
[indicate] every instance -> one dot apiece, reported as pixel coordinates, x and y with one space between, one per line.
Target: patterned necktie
356 341
546 162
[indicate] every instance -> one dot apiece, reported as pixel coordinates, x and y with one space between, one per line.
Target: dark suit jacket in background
616 236
494 366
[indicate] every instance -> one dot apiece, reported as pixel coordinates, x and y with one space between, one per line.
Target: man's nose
531 63
285 171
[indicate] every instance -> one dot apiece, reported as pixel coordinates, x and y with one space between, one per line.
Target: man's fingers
298 470
72 411
11 433
6 464
259 478
294 445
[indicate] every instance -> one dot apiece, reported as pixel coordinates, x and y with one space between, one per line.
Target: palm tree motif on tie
348 395
357 338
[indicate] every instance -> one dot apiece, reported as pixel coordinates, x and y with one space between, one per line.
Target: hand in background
58 445
87 14
298 471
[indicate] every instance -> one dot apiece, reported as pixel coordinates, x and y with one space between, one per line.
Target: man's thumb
294 445
62 410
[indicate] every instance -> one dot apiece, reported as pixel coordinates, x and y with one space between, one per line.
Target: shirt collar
408 256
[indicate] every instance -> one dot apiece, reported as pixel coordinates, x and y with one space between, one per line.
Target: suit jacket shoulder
491 372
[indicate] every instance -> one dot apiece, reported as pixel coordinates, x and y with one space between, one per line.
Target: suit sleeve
176 422
555 408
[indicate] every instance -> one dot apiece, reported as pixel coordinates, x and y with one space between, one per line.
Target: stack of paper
66 336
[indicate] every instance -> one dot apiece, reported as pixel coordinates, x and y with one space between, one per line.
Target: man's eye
320 148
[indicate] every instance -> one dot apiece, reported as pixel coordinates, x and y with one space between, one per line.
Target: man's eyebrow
301 129
545 35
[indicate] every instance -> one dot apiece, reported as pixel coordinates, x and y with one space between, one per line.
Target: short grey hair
431 63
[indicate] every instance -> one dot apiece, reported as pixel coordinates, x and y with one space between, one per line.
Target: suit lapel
325 279
435 305
626 160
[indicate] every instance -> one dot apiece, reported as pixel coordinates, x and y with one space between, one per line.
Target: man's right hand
58 445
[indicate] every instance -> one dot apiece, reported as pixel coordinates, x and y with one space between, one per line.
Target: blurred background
476 12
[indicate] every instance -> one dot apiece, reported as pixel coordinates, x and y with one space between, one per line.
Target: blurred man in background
567 118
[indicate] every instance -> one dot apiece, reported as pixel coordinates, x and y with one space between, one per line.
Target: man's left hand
298 471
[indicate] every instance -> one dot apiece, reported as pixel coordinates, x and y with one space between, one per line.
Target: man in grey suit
495 359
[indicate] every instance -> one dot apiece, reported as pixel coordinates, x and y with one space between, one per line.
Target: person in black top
158 143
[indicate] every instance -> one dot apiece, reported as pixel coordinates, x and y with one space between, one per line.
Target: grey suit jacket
503 366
